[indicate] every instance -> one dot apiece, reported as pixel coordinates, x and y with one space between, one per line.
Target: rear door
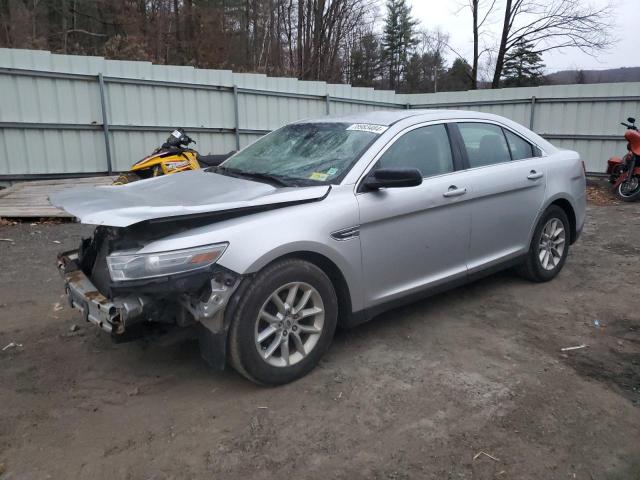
415 237
507 179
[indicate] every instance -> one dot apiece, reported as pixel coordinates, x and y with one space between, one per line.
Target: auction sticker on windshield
318 176
368 127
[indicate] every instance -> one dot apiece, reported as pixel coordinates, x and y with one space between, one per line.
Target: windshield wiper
266 177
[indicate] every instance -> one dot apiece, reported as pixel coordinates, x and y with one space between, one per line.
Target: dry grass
601 194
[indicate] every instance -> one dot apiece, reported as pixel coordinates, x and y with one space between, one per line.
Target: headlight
135 266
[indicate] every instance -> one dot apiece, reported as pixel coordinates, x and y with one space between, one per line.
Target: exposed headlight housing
136 266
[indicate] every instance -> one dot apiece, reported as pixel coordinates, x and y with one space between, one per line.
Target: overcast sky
447 15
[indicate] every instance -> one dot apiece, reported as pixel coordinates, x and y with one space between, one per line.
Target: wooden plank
31 199
6 191
67 181
30 212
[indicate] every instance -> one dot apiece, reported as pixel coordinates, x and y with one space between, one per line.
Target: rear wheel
549 246
629 190
284 323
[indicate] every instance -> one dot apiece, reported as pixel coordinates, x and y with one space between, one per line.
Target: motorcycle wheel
125 178
629 190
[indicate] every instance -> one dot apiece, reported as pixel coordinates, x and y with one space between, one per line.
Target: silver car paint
188 193
256 240
409 238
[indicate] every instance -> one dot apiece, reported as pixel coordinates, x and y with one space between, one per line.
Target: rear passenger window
424 148
485 144
520 148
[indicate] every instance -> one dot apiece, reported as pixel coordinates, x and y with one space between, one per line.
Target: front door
415 237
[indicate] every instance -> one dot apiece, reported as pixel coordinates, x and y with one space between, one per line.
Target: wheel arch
338 280
565 205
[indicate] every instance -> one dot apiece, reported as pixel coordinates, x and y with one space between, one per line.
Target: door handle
454 192
533 175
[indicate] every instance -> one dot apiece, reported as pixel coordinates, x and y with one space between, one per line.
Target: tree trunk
503 46
474 68
247 33
271 45
299 37
307 40
63 13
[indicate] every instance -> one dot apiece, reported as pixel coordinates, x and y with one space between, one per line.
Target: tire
535 268
258 316
626 195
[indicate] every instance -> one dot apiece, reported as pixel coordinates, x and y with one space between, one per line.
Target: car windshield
304 153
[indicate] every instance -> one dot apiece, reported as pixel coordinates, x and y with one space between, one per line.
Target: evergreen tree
522 67
398 39
365 61
414 79
424 73
459 76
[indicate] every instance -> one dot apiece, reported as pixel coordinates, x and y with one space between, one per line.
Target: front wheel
629 190
549 246
284 323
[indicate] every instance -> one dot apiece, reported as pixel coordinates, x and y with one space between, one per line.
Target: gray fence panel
52 110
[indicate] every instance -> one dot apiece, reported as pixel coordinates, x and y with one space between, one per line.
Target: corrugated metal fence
65 115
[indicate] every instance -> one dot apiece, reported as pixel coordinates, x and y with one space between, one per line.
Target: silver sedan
322 223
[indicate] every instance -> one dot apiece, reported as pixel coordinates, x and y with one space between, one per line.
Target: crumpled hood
188 193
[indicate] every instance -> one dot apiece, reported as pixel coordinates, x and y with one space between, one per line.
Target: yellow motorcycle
173 156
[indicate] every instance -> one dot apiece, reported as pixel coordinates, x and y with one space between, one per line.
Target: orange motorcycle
624 173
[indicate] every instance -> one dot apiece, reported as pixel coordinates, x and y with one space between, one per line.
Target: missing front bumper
112 316
129 316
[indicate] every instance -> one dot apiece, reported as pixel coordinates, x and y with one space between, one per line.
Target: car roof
389 117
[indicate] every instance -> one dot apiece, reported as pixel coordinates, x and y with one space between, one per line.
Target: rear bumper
111 315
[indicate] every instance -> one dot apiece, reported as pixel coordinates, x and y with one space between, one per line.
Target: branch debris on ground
601 194
475 457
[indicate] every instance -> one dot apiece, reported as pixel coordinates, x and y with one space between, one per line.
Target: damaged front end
127 301
111 316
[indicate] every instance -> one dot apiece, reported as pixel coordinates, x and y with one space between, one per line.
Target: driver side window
425 148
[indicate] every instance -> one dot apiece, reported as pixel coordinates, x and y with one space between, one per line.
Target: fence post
328 104
236 112
105 124
533 111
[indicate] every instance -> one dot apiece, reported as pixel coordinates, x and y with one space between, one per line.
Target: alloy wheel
552 244
289 324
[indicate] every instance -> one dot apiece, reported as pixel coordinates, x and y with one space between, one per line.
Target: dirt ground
417 393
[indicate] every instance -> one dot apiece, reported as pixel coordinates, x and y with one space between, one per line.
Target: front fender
258 239
345 255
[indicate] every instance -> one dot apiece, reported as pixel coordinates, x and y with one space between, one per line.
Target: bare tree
431 47
553 24
480 12
323 32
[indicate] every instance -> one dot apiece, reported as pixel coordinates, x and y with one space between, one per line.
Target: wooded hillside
360 42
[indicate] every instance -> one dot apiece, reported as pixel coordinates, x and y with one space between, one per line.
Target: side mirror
393 178
631 120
